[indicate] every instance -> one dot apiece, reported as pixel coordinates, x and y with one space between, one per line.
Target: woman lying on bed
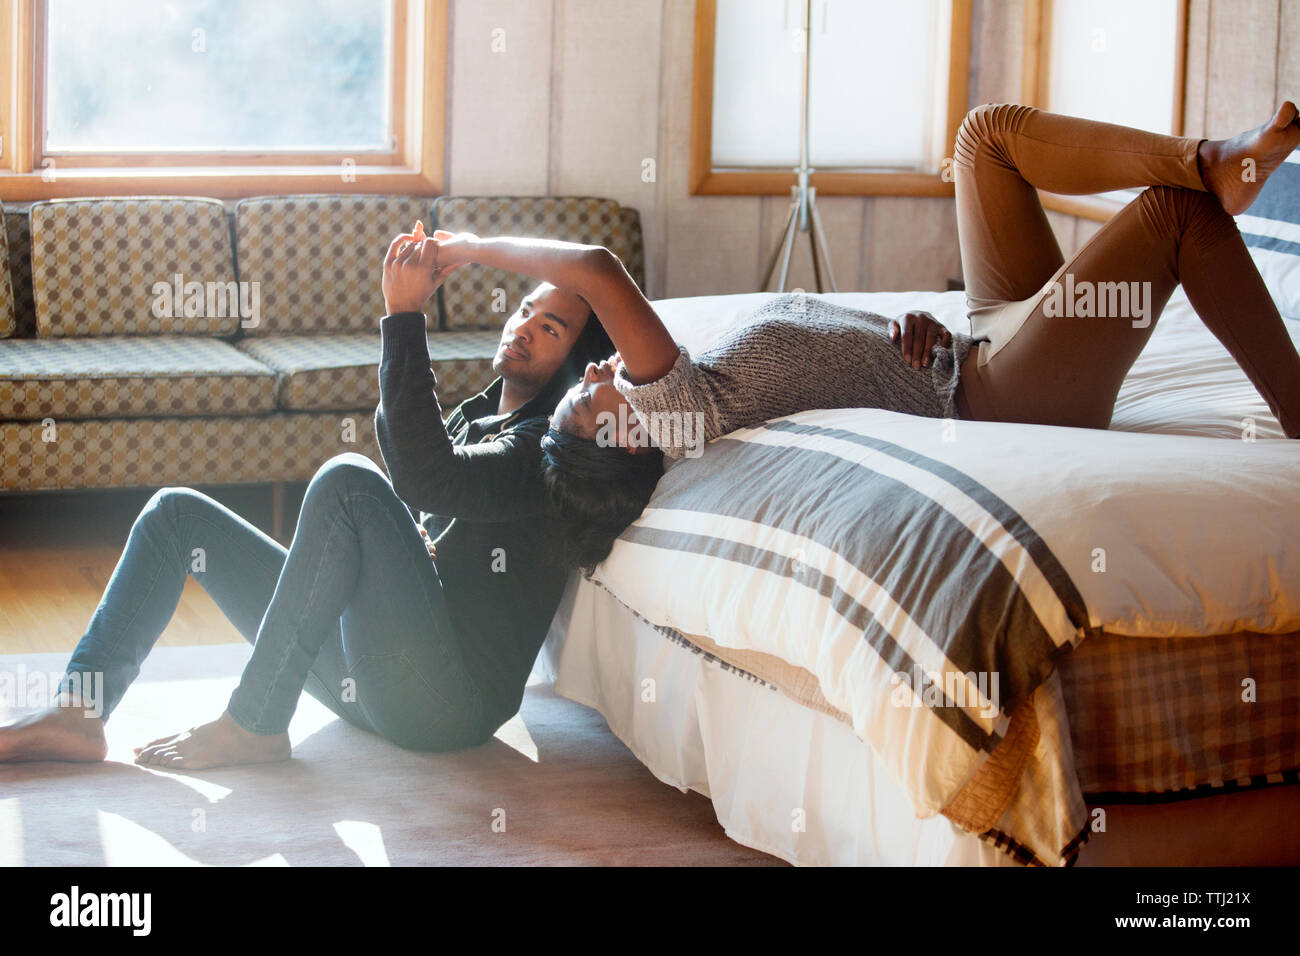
1032 358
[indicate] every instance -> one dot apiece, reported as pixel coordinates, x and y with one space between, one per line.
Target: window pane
878 82
1113 60
874 72
756 83
211 75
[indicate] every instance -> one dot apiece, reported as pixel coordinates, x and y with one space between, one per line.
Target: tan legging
1040 366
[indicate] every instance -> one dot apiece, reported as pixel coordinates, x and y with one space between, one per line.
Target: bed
871 638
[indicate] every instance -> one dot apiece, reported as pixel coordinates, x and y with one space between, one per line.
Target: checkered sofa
110 379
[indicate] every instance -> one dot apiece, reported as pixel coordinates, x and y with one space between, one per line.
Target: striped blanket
930 575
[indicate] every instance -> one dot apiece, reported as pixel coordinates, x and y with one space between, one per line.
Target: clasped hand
417 264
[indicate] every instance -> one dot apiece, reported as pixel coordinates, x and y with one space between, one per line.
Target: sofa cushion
340 370
18 233
470 298
318 260
128 376
98 265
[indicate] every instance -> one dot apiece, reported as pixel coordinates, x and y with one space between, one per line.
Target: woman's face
595 402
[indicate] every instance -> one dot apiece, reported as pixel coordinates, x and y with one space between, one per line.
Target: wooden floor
58 550
578 795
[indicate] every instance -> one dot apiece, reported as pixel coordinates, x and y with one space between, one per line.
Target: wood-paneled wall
593 97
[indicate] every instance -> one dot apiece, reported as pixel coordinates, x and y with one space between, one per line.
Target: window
1110 60
887 90
223 97
193 75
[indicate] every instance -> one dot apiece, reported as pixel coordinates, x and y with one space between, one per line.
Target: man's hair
592 345
597 490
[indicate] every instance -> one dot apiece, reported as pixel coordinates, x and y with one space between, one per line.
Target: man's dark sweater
478 478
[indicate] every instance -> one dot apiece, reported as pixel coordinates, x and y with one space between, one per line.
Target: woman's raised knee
984 122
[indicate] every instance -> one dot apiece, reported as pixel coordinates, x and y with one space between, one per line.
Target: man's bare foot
1223 162
67 731
221 743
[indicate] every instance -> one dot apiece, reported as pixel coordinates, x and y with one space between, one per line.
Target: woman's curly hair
597 490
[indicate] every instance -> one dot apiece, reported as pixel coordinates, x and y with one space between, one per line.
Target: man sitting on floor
424 632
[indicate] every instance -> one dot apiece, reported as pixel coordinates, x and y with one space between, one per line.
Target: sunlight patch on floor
514 734
365 840
310 717
212 792
127 843
11 832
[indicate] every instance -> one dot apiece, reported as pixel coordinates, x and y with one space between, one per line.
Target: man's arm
494 481
592 273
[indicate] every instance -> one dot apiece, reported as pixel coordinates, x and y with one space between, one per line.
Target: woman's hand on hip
917 333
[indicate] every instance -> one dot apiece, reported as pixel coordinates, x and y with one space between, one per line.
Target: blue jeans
353 612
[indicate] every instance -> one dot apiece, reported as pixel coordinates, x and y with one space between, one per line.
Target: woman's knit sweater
793 354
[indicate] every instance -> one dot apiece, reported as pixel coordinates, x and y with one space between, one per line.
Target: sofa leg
277 511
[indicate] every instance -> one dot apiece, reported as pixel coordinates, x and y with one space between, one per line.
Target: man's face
538 337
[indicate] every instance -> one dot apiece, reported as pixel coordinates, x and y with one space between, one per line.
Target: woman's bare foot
67 731
1221 160
221 743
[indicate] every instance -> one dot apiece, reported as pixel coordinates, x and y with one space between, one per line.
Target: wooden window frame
1033 92
708 180
415 165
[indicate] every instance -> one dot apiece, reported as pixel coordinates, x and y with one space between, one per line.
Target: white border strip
1272 228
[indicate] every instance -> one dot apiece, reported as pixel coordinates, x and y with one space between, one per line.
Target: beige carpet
560 787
